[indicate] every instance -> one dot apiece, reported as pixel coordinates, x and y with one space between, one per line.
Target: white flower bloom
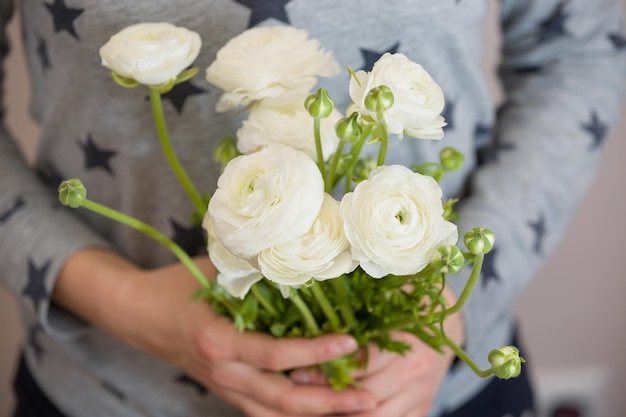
291 125
151 53
235 274
268 63
418 99
265 199
394 221
322 253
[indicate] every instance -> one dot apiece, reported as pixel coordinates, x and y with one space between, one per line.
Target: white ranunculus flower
321 253
291 125
235 274
151 53
394 221
268 63
265 199
418 99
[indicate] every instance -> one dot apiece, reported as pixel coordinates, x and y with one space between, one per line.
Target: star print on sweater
618 40
190 239
597 130
64 17
263 10
95 157
18 204
539 229
42 54
192 383
180 93
113 390
370 56
488 272
448 115
554 25
36 287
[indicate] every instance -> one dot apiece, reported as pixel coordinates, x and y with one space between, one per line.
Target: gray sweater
528 165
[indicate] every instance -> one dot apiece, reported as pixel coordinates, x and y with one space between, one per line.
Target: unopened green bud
448 259
72 193
363 168
479 240
348 128
379 99
506 362
451 159
319 105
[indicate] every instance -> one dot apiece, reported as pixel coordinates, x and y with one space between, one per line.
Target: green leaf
186 75
124 81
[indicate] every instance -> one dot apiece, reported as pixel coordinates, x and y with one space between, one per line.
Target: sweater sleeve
37 234
563 72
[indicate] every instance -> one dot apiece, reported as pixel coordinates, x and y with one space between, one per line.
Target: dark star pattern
488 271
618 40
597 130
33 343
190 382
263 10
539 229
370 57
530 69
554 25
448 114
491 152
180 93
42 54
113 390
64 17
36 287
190 239
18 204
96 157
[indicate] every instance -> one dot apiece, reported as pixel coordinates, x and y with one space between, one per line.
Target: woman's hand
151 311
403 385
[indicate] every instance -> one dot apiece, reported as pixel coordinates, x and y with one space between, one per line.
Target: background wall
571 316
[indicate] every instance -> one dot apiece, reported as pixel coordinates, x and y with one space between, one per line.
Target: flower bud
379 99
72 193
448 259
319 105
348 129
451 159
506 362
479 240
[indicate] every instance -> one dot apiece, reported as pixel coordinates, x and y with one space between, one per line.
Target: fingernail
300 377
345 346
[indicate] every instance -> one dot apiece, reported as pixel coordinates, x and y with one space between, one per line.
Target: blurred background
571 316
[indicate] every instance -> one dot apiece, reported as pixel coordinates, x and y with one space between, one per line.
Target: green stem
309 319
458 351
345 310
384 141
318 147
333 167
355 151
151 232
326 306
478 264
170 155
264 301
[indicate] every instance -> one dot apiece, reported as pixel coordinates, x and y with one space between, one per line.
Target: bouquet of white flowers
294 260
